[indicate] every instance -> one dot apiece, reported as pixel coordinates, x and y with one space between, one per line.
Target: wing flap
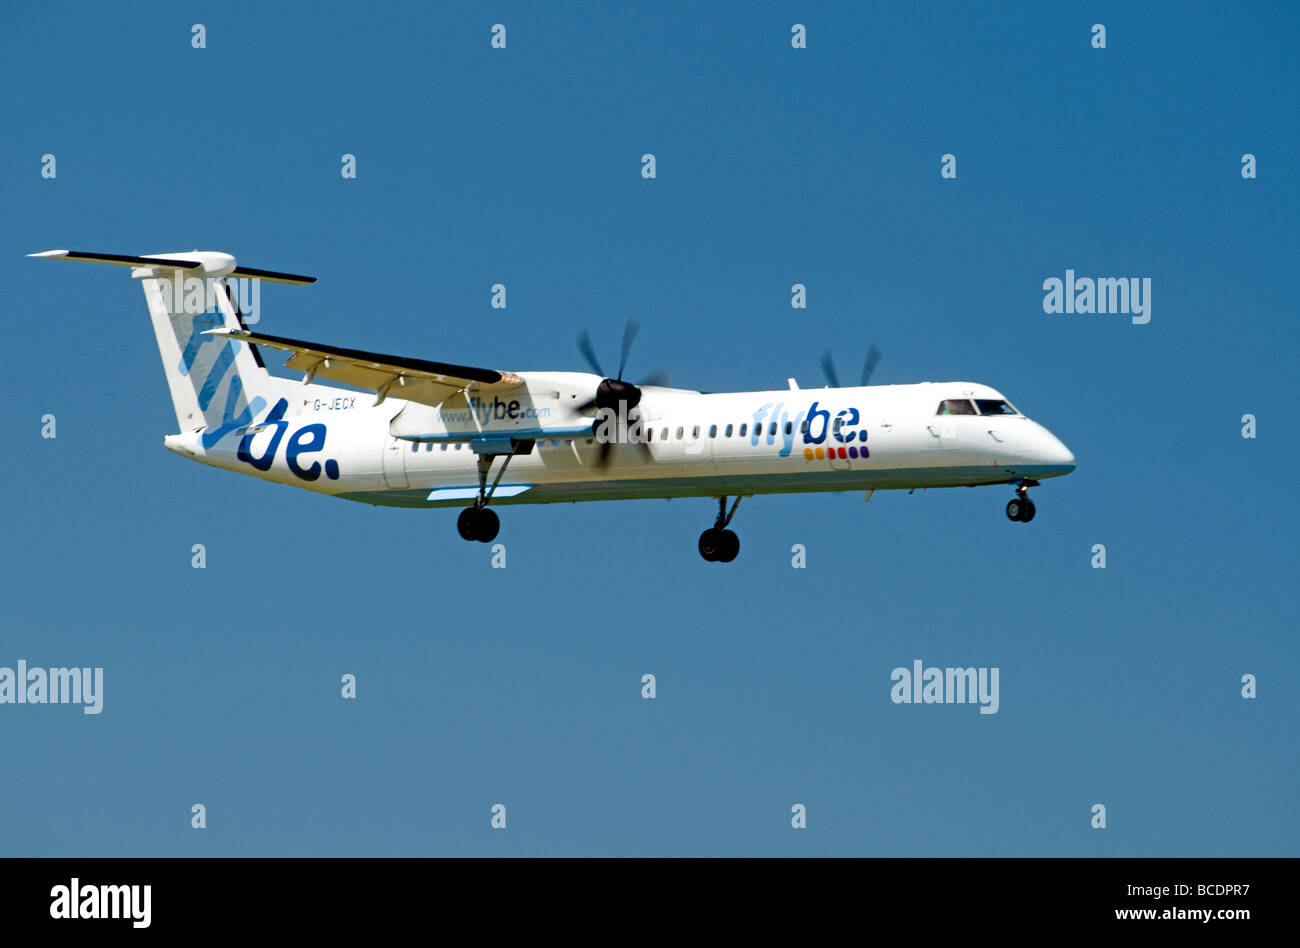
418 380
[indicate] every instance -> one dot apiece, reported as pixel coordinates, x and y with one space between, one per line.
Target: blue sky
775 166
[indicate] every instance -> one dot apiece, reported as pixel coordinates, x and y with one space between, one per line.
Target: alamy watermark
194 295
76 900
1103 296
920 685
83 686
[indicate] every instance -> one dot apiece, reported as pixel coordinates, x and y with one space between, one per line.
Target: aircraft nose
1042 448
1055 452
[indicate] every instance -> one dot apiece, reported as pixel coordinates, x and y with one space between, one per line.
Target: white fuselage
827 439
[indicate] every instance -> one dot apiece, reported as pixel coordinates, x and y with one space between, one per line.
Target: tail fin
217 384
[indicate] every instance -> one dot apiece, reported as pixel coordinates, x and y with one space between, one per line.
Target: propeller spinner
613 394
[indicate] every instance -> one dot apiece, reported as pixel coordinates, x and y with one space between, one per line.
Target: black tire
488 526
1027 514
467 523
1015 509
728 547
710 541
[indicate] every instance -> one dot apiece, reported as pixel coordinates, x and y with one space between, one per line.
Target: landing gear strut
718 544
1021 508
477 522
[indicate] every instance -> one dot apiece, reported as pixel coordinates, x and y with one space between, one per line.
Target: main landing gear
477 522
718 544
1021 508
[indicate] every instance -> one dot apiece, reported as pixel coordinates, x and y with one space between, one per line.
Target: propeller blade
873 356
828 367
629 333
584 346
655 378
606 452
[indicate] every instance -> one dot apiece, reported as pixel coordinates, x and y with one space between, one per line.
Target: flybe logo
306 440
217 365
482 410
823 435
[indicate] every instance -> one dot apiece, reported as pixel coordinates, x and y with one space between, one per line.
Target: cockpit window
955 406
994 406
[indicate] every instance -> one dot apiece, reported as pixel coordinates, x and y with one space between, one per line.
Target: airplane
409 432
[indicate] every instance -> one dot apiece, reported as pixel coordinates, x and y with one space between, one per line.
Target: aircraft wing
417 380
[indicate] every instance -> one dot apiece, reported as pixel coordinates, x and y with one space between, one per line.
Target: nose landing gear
718 544
1021 508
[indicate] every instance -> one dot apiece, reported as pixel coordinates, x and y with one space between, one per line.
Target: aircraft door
395 462
944 430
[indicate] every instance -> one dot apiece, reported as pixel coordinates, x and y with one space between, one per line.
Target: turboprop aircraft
408 432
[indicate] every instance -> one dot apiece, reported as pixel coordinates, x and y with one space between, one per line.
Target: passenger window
955 406
803 427
743 429
695 432
415 446
679 433
663 435
649 435
771 432
994 406
713 431
443 446
728 431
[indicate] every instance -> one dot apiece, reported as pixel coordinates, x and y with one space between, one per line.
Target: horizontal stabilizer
119 259
208 264
271 276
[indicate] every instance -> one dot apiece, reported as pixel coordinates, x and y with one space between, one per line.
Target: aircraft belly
707 486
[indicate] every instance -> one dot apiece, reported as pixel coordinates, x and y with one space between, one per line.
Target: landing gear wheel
711 544
728 546
718 544
467 523
488 526
1021 509
478 523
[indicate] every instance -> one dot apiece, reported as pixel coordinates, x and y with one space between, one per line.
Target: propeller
869 366
613 394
